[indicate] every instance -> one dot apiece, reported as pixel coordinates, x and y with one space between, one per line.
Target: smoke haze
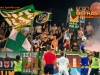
93 44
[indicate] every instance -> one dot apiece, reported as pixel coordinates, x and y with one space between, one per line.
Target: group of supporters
54 39
59 36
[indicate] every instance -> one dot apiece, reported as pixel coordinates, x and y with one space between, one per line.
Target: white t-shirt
63 62
66 36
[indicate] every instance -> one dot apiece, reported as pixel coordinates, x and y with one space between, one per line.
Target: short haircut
62 53
17 57
48 47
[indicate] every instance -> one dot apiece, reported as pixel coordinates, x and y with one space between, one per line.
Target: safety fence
29 65
32 63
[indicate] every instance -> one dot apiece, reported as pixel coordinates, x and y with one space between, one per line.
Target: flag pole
68 16
31 50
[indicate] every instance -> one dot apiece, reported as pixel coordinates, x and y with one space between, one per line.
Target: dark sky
46 4
59 7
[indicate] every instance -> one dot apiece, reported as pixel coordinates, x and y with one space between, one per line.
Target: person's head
35 45
62 24
90 56
80 24
17 57
23 31
75 43
44 32
36 38
56 31
45 38
7 25
89 23
65 41
51 33
49 48
54 24
62 54
3 23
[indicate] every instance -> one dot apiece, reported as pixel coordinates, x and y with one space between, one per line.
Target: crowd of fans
59 37
4 33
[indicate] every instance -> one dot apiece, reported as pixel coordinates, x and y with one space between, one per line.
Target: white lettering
27 54
27 70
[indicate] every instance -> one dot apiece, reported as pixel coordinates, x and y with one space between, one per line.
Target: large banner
30 62
73 20
6 60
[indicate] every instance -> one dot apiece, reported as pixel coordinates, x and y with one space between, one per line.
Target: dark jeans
84 71
18 73
49 68
94 71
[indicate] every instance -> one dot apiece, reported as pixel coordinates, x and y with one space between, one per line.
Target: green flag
17 42
43 17
19 18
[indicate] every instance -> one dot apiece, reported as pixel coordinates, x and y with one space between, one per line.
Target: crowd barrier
31 62
7 58
28 66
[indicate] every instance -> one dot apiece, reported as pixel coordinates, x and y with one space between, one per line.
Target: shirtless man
54 42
